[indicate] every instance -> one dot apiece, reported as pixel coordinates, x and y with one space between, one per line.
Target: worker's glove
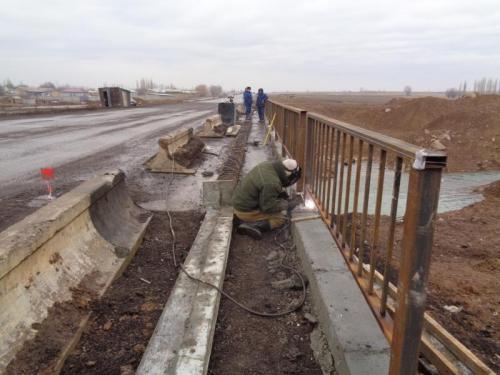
283 195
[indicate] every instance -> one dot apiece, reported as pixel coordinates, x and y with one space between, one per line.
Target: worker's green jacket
260 188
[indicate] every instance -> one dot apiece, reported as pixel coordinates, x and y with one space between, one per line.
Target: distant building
73 95
114 97
37 93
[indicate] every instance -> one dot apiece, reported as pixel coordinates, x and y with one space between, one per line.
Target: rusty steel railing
290 131
346 170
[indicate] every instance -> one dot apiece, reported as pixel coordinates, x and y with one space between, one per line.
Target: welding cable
221 291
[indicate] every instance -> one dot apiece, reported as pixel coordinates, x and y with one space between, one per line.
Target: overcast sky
279 45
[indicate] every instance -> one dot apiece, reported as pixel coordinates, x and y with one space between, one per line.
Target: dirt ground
465 272
247 344
122 321
469 127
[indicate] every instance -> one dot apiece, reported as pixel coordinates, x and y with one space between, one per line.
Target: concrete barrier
213 128
355 339
88 234
182 341
176 151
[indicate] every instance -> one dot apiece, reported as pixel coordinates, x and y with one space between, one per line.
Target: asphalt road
28 144
81 145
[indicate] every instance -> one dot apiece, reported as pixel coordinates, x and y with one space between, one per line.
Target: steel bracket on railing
429 159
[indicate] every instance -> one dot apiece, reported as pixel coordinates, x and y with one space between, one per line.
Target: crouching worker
259 200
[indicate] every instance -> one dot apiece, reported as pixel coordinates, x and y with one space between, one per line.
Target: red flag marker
48 175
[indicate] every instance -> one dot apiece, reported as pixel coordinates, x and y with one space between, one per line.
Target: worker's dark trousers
248 110
261 110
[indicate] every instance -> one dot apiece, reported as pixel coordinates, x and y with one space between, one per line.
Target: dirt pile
469 128
189 152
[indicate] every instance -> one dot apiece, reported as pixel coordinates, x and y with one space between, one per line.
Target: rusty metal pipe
392 228
365 209
376 230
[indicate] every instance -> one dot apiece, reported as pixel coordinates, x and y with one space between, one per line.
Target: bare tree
215 90
407 90
451 93
2 90
47 85
201 90
8 84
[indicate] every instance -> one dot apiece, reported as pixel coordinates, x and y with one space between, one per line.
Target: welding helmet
292 170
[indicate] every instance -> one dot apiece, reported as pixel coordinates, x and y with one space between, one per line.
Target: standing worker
261 104
259 198
247 100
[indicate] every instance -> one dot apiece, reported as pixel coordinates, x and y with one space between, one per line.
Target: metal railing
359 179
290 130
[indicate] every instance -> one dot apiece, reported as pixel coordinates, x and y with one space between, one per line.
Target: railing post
302 143
308 165
420 217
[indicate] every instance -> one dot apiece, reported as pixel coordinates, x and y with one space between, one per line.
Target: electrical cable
221 291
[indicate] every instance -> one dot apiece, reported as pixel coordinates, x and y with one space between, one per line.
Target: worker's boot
254 229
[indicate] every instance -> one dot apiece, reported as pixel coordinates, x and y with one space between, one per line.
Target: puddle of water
40 201
457 189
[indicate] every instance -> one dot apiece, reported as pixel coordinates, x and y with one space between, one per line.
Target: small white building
74 95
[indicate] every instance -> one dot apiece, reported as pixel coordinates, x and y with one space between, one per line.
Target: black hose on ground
283 245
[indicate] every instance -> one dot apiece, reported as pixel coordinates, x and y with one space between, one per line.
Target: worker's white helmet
290 165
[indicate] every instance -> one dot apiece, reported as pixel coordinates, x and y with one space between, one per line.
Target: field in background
469 127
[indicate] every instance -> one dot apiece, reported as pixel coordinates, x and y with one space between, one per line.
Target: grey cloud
316 45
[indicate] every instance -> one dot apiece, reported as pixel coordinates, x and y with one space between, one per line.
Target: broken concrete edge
73 342
182 340
23 238
58 364
98 239
353 334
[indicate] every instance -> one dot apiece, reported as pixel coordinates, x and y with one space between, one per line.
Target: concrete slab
354 336
256 151
182 340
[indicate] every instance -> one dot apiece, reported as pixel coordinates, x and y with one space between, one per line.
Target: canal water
457 189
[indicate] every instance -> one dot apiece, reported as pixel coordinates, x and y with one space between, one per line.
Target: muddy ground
123 319
465 272
247 344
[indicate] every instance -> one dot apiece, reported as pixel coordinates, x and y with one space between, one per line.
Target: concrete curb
91 233
353 334
182 340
